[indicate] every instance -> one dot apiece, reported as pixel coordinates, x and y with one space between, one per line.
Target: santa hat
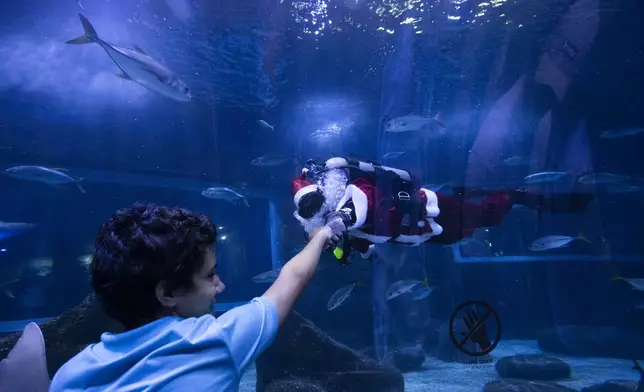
300 187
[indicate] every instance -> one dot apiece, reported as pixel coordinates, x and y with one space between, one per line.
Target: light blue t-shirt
174 354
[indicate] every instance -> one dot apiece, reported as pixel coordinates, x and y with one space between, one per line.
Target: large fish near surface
137 66
224 193
46 175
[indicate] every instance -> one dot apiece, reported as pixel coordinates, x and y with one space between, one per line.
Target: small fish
624 188
401 287
412 123
273 160
554 241
137 66
266 277
620 133
340 296
518 161
393 155
266 125
636 283
224 193
50 176
544 177
16 226
602 178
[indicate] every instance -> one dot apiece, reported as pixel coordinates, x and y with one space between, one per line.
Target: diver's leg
564 203
459 218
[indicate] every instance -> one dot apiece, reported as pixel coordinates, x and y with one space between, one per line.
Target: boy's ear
166 298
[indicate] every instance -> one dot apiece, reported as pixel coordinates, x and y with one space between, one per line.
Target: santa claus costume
384 206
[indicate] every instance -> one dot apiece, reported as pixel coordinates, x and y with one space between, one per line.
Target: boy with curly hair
154 270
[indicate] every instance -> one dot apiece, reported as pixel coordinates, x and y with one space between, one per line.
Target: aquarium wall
491 151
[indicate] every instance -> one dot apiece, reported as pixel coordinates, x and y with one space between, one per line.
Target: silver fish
15 226
553 242
137 66
412 123
266 277
340 296
544 177
275 160
393 154
517 161
49 176
620 133
401 287
224 193
266 125
603 178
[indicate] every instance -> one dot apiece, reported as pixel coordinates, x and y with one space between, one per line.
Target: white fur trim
360 203
369 252
432 203
307 189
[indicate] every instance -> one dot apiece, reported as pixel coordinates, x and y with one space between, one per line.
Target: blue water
530 79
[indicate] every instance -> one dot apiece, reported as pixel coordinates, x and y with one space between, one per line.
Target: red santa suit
374 221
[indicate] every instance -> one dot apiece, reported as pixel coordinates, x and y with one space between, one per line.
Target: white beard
333 184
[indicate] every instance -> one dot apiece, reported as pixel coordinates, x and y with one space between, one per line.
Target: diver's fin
123 75
138 49
90 34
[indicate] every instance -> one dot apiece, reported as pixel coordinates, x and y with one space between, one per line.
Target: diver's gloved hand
336 224
341 214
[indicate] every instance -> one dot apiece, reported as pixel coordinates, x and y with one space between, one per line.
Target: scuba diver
381 204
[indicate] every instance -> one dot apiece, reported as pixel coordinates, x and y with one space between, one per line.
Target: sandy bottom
438 376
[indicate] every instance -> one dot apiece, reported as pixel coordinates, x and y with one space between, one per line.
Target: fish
341 295
266 277
620 133
636 283
393 154
401 287
412 123
554 241
224 193
50 176
266 125
544 177
602 178
16 226
274 160
137 66
518 161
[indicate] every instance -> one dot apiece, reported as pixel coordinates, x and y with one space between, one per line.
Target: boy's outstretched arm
295 275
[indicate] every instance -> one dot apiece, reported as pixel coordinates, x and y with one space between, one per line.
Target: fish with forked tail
137 66
46 175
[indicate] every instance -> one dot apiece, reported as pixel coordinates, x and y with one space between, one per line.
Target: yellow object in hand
338 253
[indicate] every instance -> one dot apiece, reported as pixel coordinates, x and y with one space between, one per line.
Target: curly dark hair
140 246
